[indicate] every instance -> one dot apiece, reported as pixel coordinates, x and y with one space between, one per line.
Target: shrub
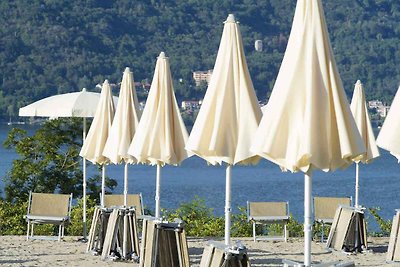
12 220
385 226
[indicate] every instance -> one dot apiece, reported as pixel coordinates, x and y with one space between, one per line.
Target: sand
16 251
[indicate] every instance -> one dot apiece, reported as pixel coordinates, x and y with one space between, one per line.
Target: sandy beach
16 251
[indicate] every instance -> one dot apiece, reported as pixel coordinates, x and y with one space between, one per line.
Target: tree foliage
50 47
48 161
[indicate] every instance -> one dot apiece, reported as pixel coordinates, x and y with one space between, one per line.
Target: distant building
191 104
200 76
379 106
258 45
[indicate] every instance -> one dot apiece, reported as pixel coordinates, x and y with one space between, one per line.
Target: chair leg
285 233
27 230
32 229
59 232
254 231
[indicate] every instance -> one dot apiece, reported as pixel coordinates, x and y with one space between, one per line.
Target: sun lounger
325 209
268 213
164 244
348 231
135 200
393 253
48 209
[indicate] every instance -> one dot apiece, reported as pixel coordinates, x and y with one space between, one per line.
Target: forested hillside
53 46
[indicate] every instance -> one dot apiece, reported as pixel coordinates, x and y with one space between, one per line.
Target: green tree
48 161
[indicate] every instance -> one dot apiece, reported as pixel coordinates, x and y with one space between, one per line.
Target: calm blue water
379 185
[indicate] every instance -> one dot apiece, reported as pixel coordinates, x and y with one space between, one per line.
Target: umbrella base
218 254
289 263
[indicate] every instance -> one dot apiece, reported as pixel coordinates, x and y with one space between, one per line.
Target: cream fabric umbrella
389 136
161 135
78 104
359 109
229 115
95 141
309 124
124 126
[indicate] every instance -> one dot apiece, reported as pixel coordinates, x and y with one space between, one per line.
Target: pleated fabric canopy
309 124
123 128
229 115
161 134
95 141
389 136
359 109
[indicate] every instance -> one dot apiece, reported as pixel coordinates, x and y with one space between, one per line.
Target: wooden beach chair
325 210
268 213
48 209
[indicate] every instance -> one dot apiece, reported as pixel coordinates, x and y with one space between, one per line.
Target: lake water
379 183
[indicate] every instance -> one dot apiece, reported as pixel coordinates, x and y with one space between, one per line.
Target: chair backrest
325 207
118 200
267 209
50 204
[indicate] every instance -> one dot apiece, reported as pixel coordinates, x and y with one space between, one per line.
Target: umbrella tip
83 89
127 69
231 18
106 81
358 82
162 55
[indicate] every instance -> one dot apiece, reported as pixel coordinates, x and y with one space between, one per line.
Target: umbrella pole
357 186
228 205
126 185
103 184
157 198
84 185
307 218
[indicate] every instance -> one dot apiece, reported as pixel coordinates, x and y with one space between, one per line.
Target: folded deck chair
135 200
325 209
268 213
48 209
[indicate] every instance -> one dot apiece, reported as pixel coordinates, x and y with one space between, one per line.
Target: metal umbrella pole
228 209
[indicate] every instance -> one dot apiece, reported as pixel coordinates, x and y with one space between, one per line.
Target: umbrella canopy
359 109
124 126
309 123
95 141
229 115
125 122
161 134
389 136
78 104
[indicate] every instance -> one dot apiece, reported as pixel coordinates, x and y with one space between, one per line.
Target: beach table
393 253
348 231
164 244
218 254
114 234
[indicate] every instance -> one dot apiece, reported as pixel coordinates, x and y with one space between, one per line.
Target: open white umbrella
389 136
161 135
124 126
309 124
77 104
229 115
359 109
95 141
